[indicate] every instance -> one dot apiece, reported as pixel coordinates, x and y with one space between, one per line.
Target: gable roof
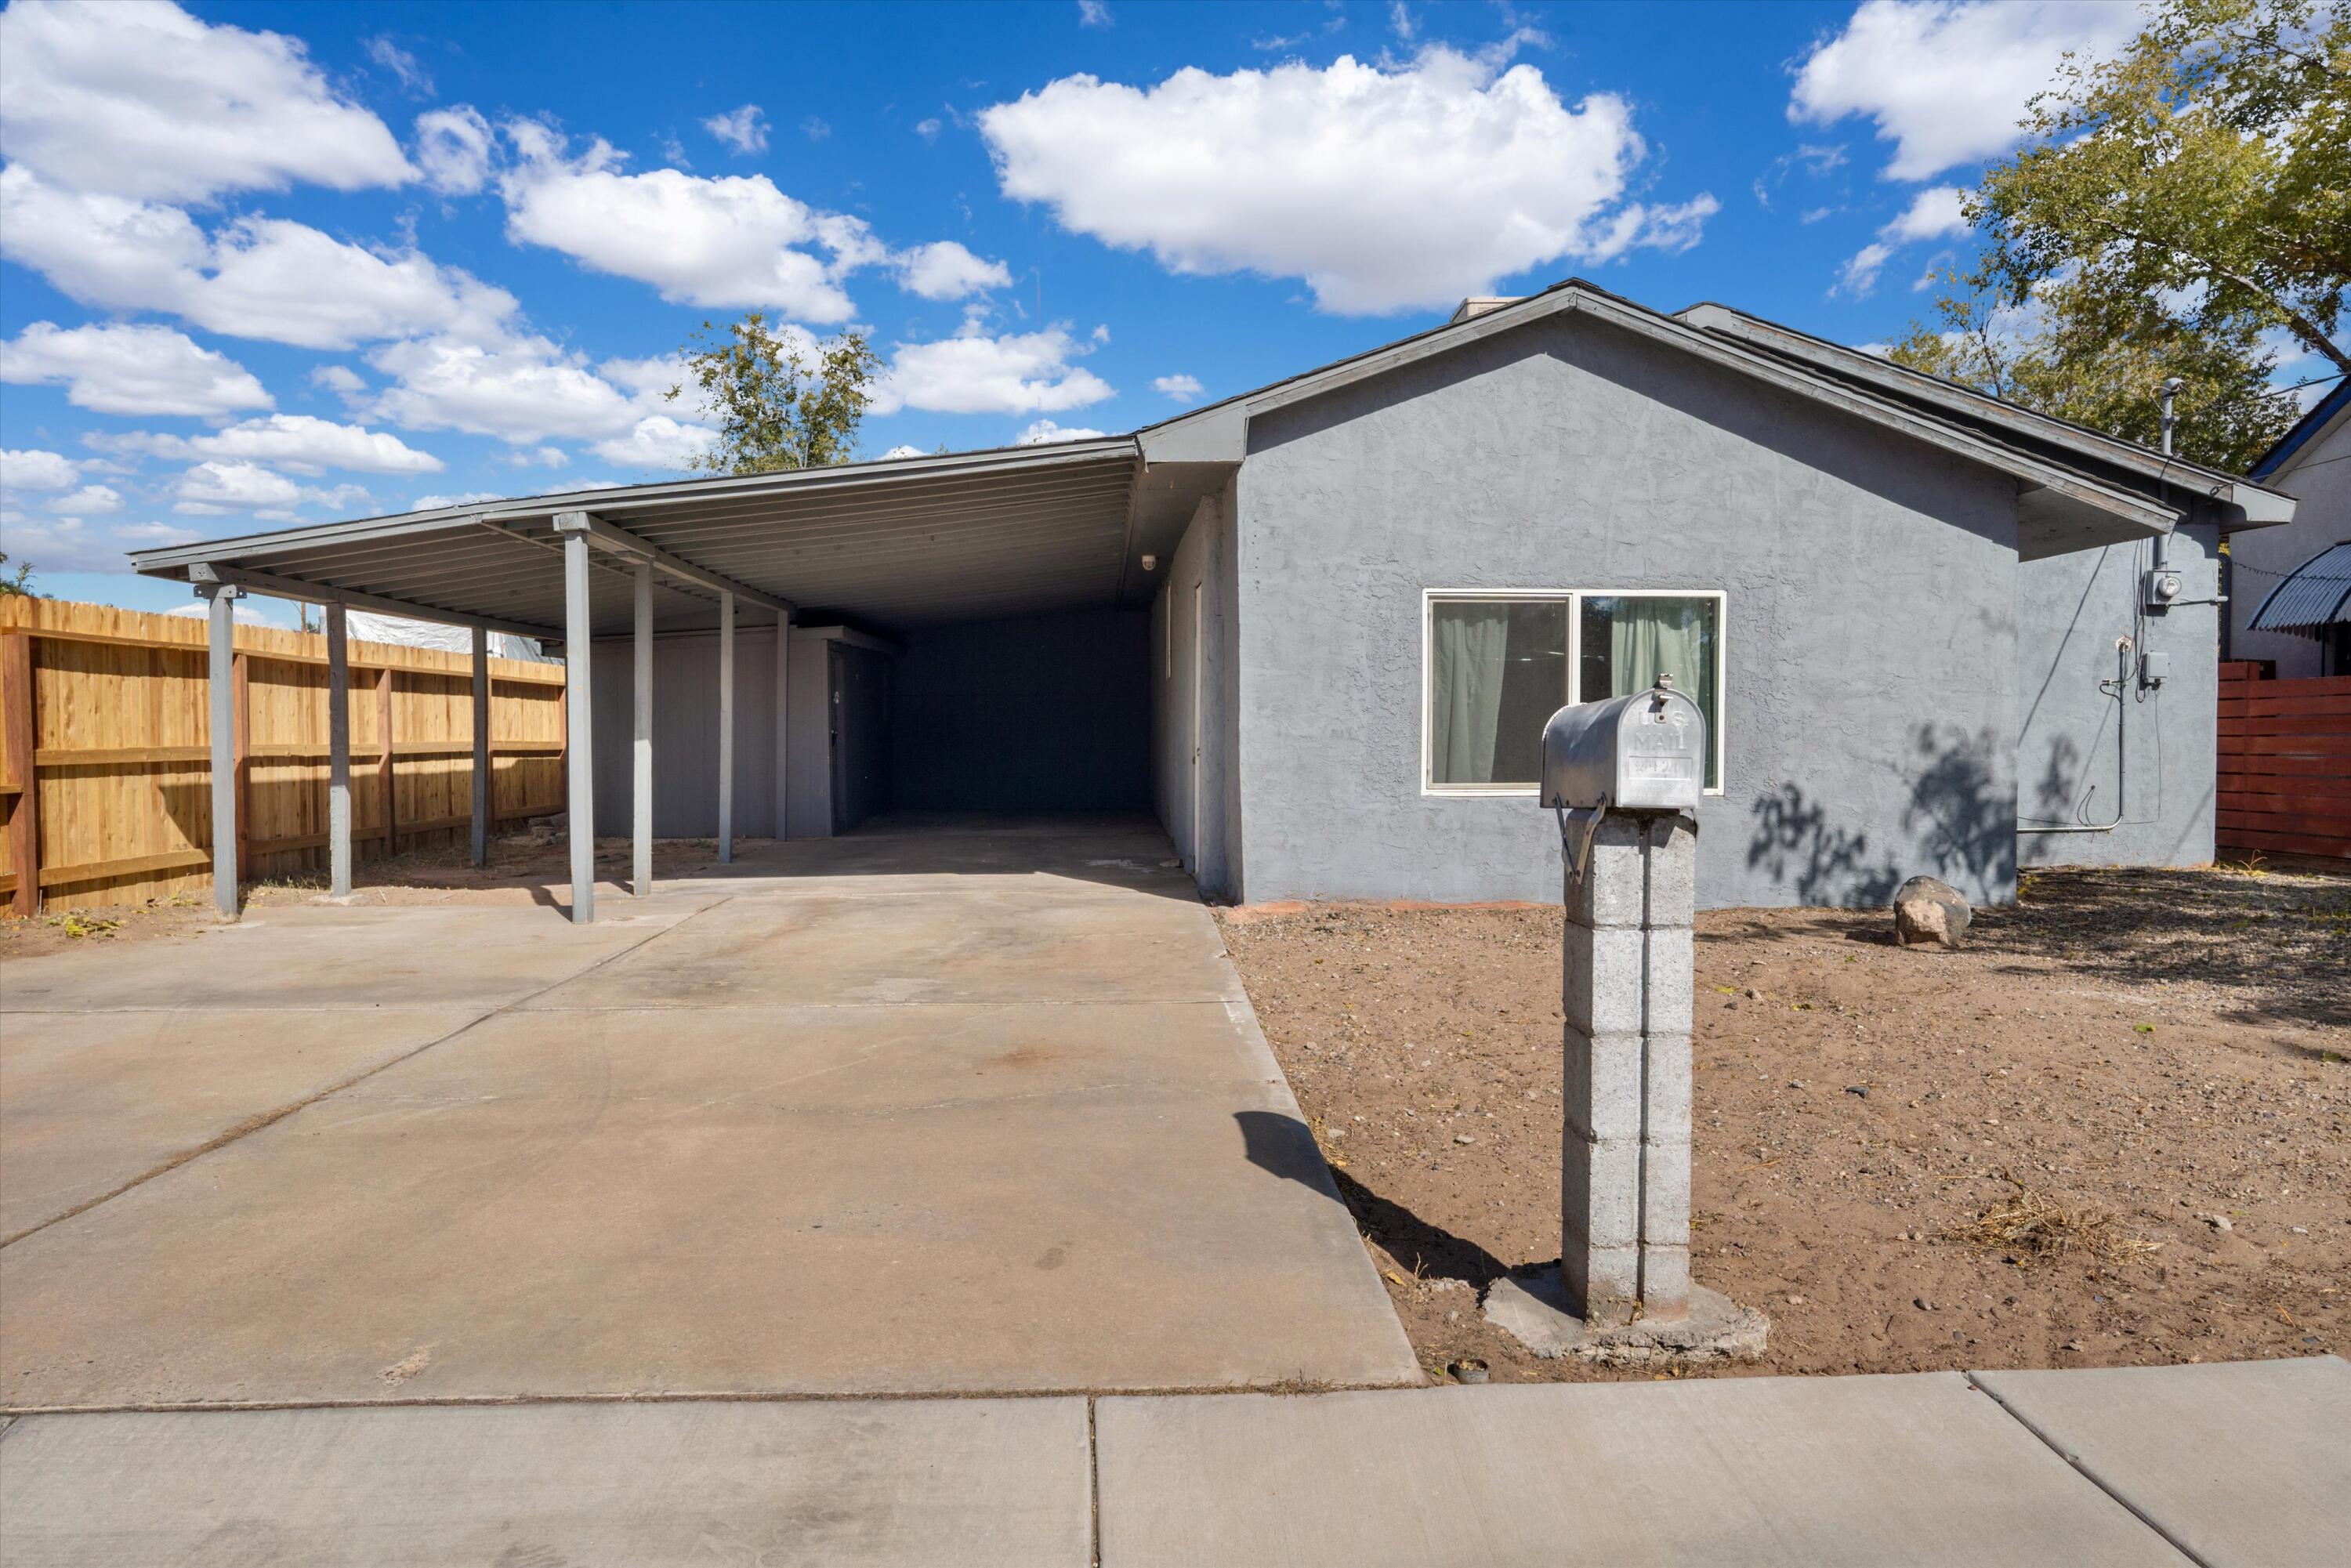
2076 487
2326 412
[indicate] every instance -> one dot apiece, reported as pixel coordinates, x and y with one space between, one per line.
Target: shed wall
1204 562
1871 716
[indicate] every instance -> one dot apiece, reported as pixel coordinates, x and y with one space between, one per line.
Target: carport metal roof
891 544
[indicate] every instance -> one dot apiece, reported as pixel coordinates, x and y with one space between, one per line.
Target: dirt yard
523 869
2160 1054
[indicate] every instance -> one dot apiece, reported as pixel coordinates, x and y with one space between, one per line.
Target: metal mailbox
1646 752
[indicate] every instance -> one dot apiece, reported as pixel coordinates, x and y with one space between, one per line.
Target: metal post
783 726
481 745
338 752
726 729
220 675
641 778
579 807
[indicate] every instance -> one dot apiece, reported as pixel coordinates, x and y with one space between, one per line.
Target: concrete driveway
938 1110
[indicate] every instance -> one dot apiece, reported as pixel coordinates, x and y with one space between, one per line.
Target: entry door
857 703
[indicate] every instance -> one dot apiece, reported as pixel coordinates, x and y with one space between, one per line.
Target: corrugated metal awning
2313 595
966 537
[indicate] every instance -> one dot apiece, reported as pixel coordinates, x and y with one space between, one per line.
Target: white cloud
526 391
745 129
400 64
972 372
1933 213
901 450
539 458
657 441
1182 388
140 98
342 380
90 501
1093 13
1947 82
471 497
71 544
727 243
211 487
36 470
115 369
453 149
297 441
269 279
1045 432
1385 187
946 270
928 130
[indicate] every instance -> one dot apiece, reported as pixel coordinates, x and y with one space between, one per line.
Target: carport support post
725 727
640 773
219 676
783 724
579 803
481 745
1625 1209
339 751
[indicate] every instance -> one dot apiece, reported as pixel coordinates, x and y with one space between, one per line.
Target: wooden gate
2285 763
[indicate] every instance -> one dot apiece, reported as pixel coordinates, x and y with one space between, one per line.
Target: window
1499 664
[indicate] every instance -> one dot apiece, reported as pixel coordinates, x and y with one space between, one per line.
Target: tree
19 581
2177 209
779 409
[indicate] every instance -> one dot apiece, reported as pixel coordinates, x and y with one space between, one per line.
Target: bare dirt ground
2161 1054
522 870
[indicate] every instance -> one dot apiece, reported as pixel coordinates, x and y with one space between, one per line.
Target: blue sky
264 264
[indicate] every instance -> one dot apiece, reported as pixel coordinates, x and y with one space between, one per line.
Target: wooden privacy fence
105 760
2285 763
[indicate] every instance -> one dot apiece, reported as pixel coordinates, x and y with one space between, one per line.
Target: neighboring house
1317 627
2290 588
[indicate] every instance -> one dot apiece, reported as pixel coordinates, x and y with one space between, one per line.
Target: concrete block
1671 865
1601 990
1666 1191
1611 892
1603 1284
1665 1099
1600 1190
1668 978
1665 1283
1600 1082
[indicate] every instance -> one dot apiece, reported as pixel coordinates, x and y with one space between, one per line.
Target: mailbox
1646 752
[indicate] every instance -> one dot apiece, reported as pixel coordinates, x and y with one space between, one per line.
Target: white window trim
1431 597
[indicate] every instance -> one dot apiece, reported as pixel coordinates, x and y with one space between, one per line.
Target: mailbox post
1625 776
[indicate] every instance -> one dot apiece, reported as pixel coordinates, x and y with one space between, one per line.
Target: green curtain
1469 643
1650 637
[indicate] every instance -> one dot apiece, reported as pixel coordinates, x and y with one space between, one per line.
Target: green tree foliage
19 581
779 409
2172 206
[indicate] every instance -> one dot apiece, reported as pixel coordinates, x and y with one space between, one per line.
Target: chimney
1478 304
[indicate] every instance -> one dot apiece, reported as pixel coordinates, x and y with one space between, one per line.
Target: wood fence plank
21 720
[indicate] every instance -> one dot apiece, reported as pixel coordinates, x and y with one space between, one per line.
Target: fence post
18 694
241 757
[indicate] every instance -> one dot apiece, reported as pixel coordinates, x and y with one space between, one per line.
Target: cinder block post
1624 1199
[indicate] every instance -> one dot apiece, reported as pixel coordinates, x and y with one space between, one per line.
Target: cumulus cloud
71 544
901 450
1182 388
342 380
1933 213
139 99
209 489
745 129
1044 432
454 148
974 372
728 243
658 441
471 497
90 501
946 270
1947 82
402 64
525 391
1385 187
268 278
297 442
34 469
119 369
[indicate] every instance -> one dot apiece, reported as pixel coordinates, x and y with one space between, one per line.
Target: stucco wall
1204 559
1870 626
1042 713
2320 482
2139 758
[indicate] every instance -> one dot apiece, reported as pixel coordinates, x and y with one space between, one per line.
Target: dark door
859 706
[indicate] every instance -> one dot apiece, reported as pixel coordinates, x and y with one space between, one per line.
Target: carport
844 562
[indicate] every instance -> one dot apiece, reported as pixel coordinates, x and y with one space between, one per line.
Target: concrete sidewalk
2247 1464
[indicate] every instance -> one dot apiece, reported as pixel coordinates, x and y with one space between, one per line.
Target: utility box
1643 752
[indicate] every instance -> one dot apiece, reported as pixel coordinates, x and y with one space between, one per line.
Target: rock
1927 909
2217 1221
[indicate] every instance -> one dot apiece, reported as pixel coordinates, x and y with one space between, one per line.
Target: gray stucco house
1316 628
2290 588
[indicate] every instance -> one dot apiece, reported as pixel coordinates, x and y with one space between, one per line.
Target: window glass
1496 672
1629 642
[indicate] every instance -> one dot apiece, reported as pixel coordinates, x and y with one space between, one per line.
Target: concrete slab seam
263 1119
2086 1473
1093 1486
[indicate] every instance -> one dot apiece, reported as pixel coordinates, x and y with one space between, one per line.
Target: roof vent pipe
2168 391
